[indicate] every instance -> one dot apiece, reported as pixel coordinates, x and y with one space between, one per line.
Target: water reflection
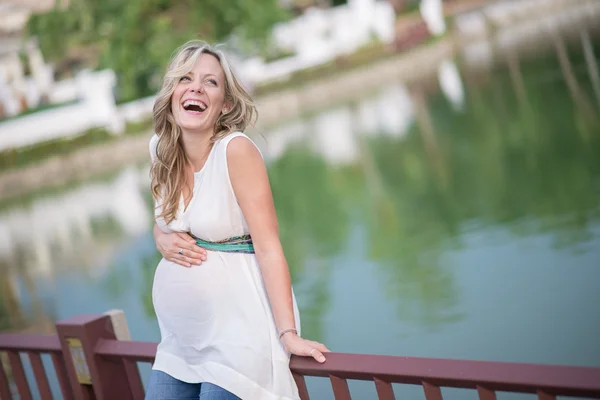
513 158
74 231
381 204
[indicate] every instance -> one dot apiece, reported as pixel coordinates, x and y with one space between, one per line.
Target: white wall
18 92
137 110
95 108
320 35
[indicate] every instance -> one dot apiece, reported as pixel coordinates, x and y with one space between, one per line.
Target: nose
197 87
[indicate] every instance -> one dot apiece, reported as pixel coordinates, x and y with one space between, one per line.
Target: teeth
198 103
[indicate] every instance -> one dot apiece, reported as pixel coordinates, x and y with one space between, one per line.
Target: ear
226 108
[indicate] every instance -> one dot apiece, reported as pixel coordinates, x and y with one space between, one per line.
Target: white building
18 91
320 35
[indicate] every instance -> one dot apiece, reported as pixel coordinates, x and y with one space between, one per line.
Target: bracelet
283 332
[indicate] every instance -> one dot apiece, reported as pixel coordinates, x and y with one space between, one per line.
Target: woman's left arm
248 175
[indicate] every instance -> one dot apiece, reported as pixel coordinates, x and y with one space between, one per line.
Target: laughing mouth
194 106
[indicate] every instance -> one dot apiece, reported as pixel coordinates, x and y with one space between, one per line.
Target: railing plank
341 391
129 350
432 392
385 391
302 389
545 396
18 372
133 377
40 376
485 393
4 386
29 342
61 375
497 376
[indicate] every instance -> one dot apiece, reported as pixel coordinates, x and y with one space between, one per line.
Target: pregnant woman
222 293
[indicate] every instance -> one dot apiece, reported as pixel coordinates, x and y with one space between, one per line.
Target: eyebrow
192 73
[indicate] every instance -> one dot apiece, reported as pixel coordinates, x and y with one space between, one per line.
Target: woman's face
199 97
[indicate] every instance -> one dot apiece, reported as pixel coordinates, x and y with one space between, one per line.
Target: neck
196 147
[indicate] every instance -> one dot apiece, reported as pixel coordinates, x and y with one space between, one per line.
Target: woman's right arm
170 244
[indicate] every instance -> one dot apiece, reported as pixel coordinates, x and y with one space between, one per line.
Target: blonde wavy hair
167 172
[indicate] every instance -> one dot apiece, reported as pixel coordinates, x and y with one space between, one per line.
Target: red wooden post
385 391
302 389
91 376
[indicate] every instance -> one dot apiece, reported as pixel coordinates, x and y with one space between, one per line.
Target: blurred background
435 166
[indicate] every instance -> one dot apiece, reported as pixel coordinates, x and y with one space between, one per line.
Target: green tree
136 38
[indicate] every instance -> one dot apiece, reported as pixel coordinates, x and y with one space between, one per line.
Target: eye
212 82
185 78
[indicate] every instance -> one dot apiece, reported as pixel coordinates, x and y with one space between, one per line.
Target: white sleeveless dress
215 320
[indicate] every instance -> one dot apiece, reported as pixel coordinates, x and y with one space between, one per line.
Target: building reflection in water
76 230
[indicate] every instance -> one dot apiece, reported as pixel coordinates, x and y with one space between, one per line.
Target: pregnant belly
188 300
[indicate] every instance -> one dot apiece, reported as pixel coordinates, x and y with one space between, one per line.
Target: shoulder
246 168
239 146
153 144
153 141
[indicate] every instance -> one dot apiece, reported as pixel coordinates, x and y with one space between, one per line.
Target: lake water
457 223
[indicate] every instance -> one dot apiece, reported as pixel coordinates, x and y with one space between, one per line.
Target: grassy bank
364 56
22 157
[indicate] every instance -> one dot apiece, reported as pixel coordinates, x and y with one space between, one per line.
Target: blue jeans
164 387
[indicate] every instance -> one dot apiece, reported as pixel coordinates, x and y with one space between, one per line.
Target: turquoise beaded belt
237 244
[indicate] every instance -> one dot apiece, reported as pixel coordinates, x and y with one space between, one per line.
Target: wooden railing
91 362
34 346
547 381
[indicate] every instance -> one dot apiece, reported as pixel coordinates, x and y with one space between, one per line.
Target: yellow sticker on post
78 356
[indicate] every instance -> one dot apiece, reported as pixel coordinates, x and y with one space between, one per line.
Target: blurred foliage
136 38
